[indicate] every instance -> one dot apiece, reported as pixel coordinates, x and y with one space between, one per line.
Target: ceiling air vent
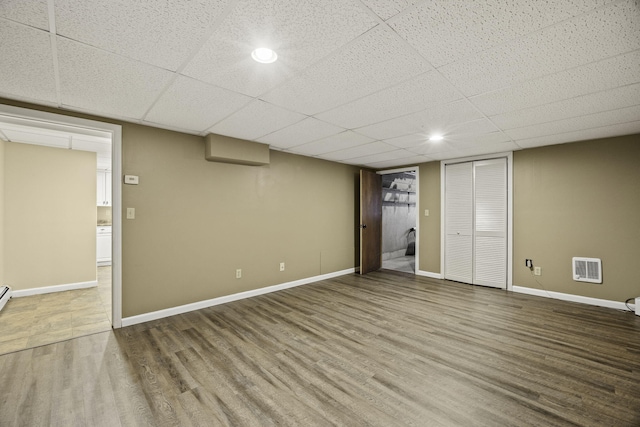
587 270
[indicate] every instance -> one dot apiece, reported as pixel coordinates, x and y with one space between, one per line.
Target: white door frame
62 122
415 169
509 156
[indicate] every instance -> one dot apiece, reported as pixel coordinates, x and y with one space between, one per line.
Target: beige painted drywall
2 212
49 216
198 221
579 199
429 228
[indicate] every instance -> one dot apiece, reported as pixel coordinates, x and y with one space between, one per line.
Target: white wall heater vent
587 270
5 294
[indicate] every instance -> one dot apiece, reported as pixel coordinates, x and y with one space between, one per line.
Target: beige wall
198 221
429 225
579 199
49 216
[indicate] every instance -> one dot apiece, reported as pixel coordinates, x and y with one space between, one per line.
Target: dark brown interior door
370 221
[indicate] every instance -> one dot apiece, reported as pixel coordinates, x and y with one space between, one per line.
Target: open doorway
82 294
399 220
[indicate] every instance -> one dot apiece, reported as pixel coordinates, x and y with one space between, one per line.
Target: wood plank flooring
385 349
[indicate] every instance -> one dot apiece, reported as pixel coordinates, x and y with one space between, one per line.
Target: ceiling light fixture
264 55
436 138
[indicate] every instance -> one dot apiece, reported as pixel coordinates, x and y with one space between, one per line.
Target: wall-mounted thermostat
131 179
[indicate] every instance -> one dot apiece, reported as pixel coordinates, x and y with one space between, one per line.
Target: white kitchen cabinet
104 188
103 245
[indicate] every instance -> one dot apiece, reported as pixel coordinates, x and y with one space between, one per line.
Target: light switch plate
131 213
131 179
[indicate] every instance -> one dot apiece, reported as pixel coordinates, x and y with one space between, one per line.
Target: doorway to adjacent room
399 220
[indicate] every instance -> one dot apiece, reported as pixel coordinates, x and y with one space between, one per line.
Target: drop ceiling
362 82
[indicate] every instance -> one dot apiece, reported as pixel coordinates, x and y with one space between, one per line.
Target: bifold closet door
459 222
490 223
476 222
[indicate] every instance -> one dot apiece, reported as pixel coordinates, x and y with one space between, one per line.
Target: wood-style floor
386 349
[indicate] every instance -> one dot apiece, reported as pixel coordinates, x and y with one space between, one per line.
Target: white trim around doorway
63 122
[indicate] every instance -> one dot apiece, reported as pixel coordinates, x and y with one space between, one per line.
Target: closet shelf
396 191
397 203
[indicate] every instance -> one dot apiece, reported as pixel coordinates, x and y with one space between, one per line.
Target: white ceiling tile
408 141
341 141
439 119
606 74
375 61
446 155
477 127
26 66
34 13
359 151
192 104
385 9
572 43
305 131
544 71
300 31
431 148
455 30
125 88
416 94
411 160
257 119
620 97
487 149
477 139
161 33
380 157
622 115
452 144
629 128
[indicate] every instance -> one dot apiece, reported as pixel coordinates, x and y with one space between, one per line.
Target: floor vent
587 270
5 294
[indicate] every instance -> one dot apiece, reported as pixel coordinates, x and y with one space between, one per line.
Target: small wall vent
587 270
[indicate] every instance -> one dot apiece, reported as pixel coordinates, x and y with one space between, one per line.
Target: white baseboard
50 289
155 315
428 274
573 298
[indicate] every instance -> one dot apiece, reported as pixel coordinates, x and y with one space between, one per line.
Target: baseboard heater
5 294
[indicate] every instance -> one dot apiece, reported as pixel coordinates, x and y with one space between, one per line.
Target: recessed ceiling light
264 55
436 138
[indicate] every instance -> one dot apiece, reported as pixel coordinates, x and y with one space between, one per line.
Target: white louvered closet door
459 222
476 222
490 237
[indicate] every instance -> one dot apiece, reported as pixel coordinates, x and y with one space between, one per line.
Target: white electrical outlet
537 271
238 273
282 266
